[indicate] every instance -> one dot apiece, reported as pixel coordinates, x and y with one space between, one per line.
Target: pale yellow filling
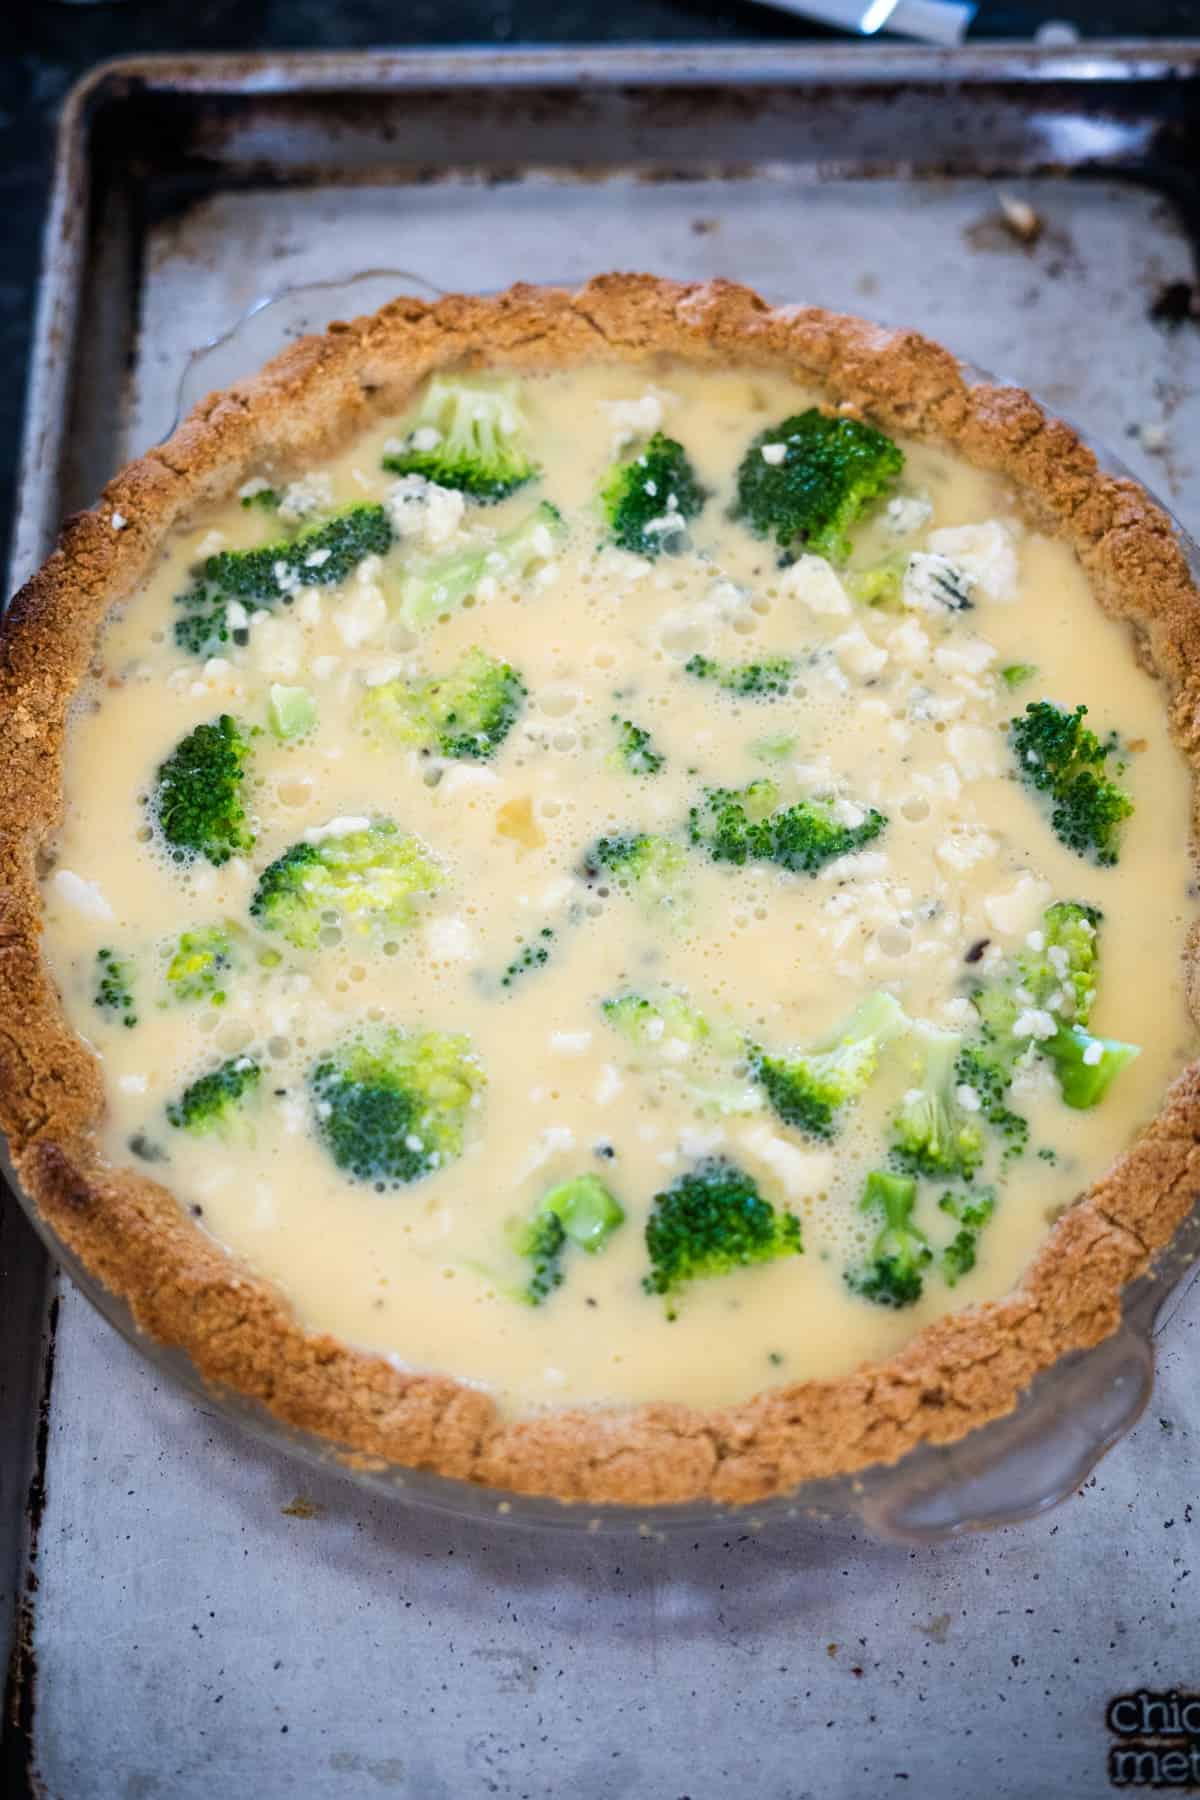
896 709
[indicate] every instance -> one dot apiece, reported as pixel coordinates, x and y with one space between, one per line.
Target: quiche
598 891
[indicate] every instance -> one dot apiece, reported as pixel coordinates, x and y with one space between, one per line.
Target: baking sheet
210 1617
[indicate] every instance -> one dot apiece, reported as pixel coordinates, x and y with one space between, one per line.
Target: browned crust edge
239 1332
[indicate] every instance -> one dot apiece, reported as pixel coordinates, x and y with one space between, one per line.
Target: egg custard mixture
625 885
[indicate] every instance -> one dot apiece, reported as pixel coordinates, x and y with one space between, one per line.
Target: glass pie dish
1006 1470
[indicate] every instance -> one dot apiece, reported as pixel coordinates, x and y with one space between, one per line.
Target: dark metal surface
147 141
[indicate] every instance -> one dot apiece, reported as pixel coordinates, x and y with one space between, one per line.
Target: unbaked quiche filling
604 889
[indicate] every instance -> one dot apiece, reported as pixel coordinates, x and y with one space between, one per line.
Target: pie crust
238 1331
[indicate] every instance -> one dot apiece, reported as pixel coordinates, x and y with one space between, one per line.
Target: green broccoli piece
465 715
774 749
291 712
392 1106
114 987
1015 675
1058 755
530 956
648 500
635 748
322 556
267 498
1085 1066
808 1088
467 434
214 1103
1065 967
881 584
437 585
581 1211
765 680
197 798
366 878
740 825
831 469
986 1066
651 867
959 1255
197 969
1063 970
650 1024
710 1221
892 1275
933 1133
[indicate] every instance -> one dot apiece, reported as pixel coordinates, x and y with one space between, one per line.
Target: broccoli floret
740 825
1063 971
652 1024
366 878
808 1088
764 680
635 748
933 1133
214 1103
1066 965
892 1274
530 956
958 1257
641 863
1015 675
986 1067
648 500
710 1221
1058 755
469 435
197 969
322 556
465 715
439 584
267 498
392 1106
114 987
1085 1066
582 1212
809 496
197 798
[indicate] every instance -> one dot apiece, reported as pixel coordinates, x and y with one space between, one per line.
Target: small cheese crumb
815 583
977 752
312 493
118 521
858 655
1035 1022
449 940
907 514
340 827
85 896
1094 1053
570 1043
773 454
608 1086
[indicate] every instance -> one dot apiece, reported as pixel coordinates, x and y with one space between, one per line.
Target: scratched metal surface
212 1618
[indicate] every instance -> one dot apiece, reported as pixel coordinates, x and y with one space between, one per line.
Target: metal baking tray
164 1566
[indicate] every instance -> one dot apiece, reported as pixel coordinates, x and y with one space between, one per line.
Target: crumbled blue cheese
310 494
343 826
858 655
1035 1022
986 553
935 584
83 896
815 584
449 940
773 454
421 509
276 645
977 751
907 514
632 419
799 1171
1012 914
